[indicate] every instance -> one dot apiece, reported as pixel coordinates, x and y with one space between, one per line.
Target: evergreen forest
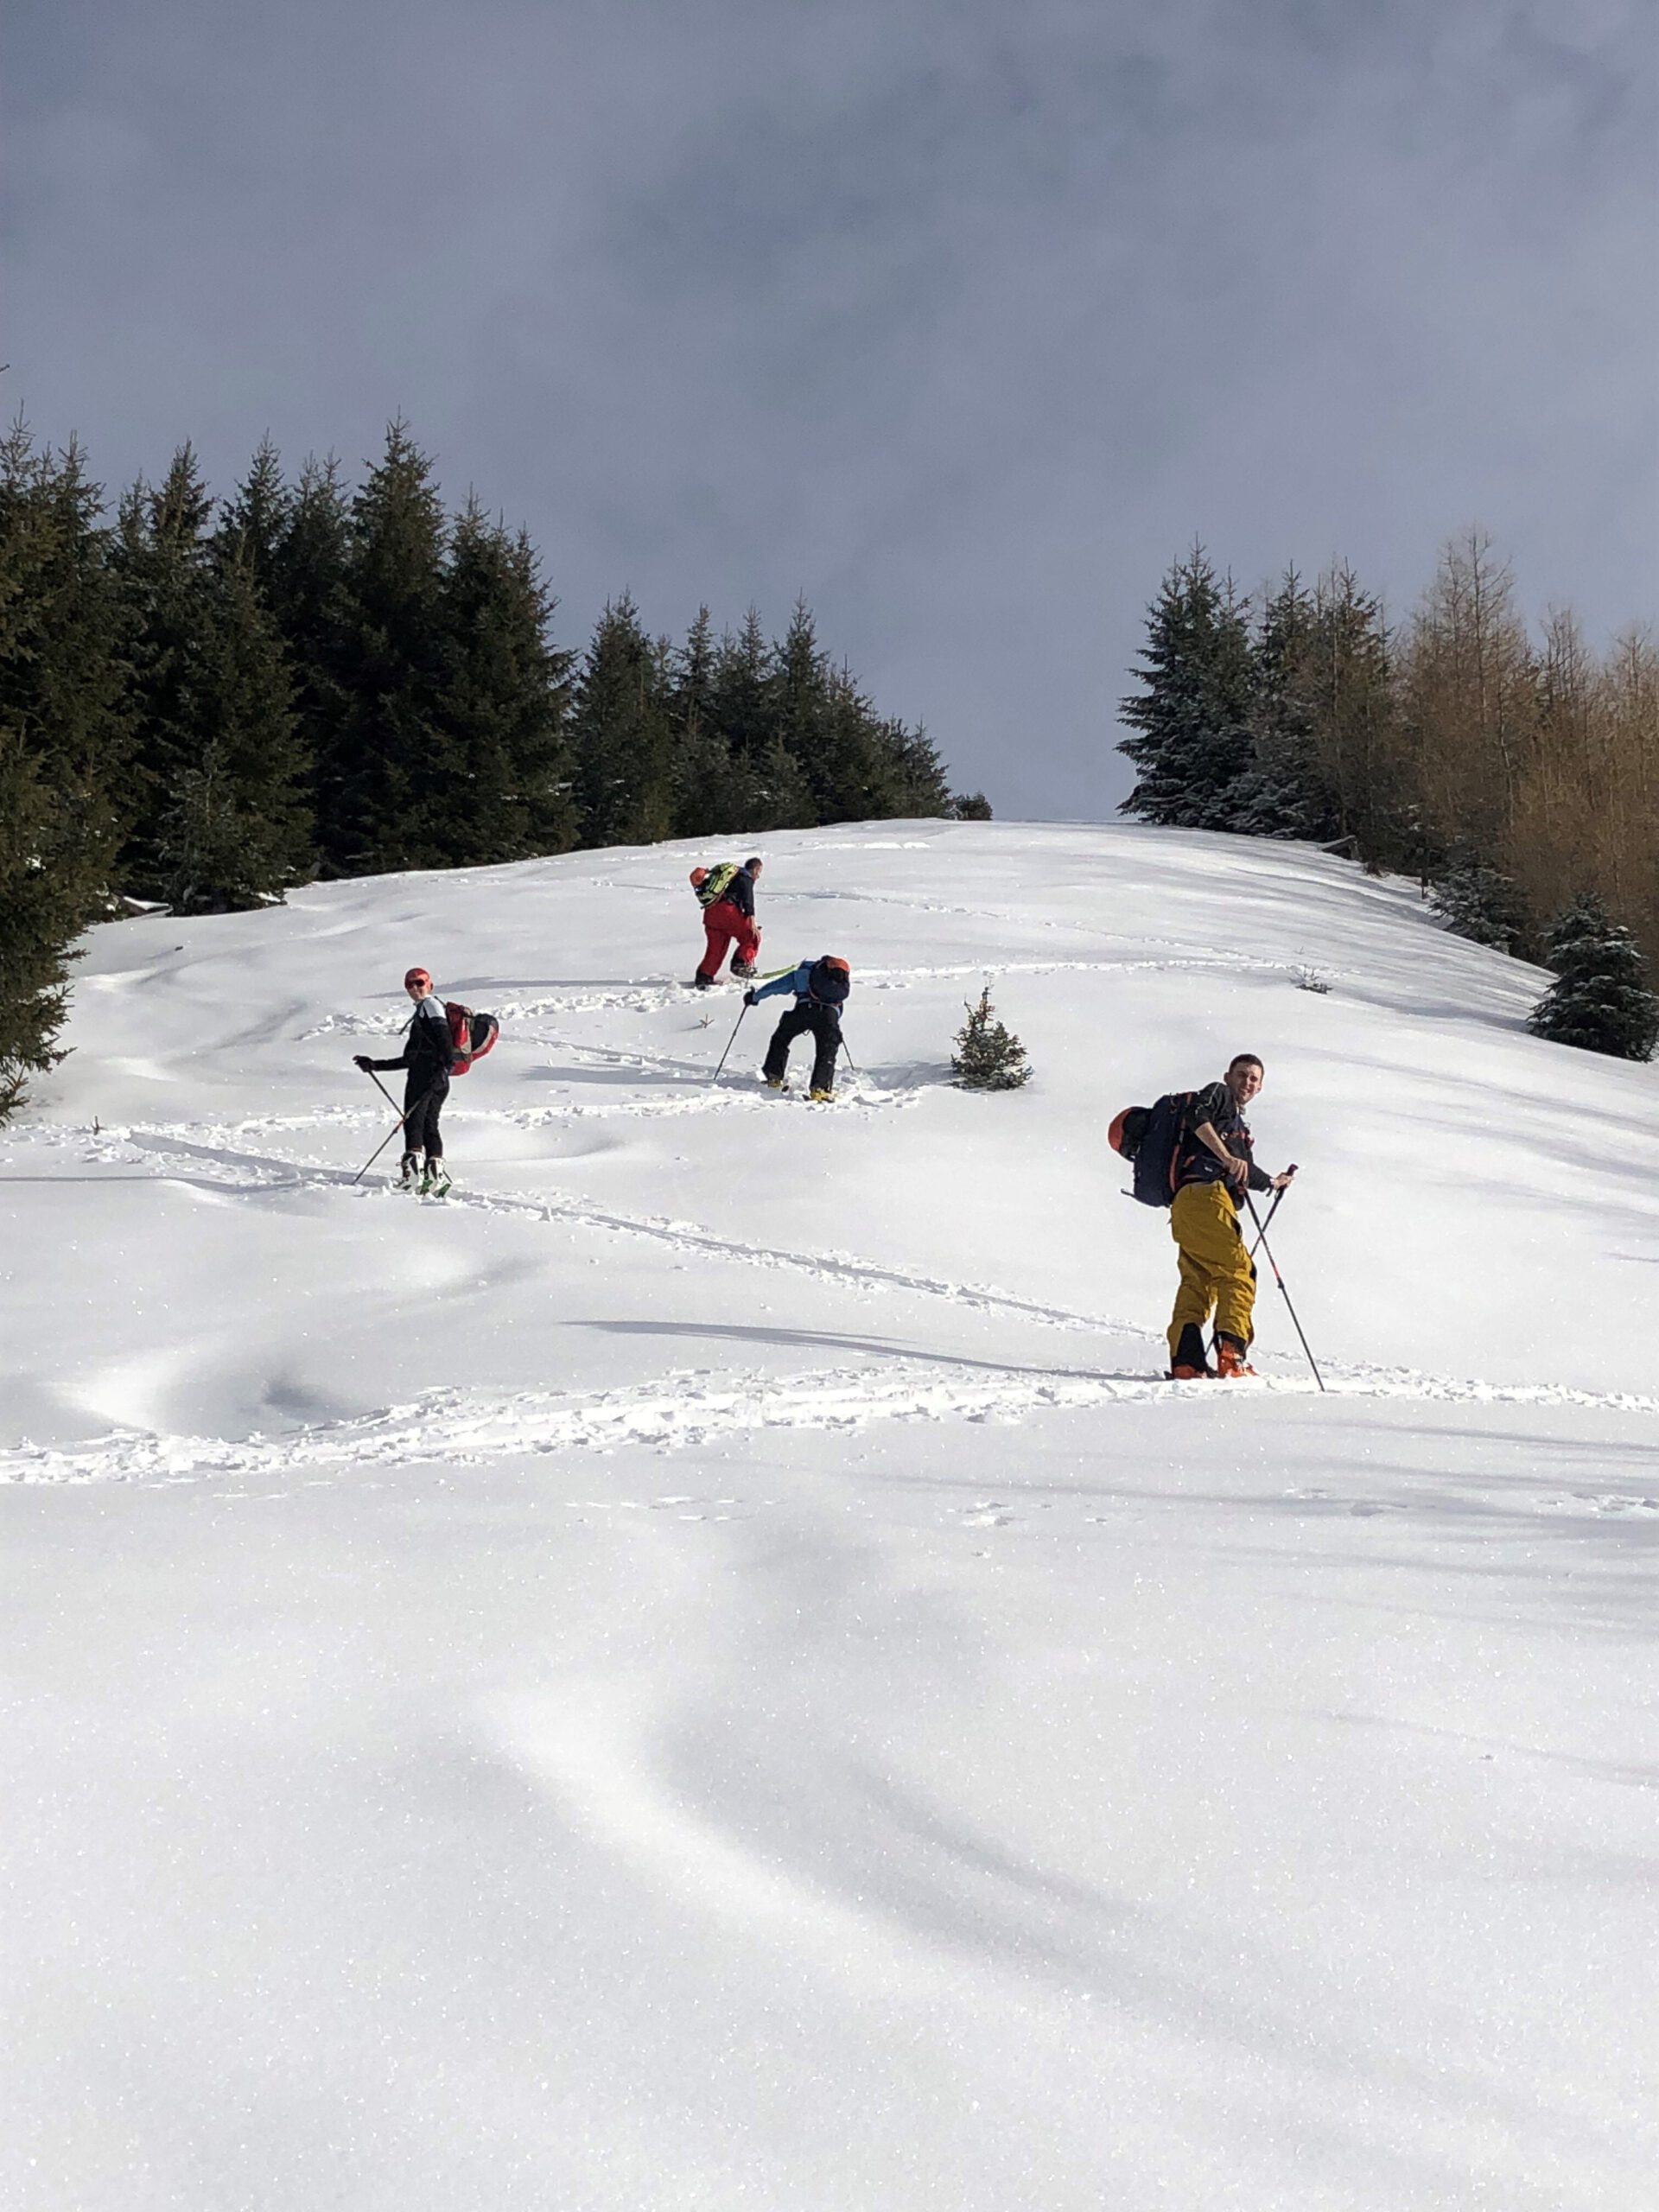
205 702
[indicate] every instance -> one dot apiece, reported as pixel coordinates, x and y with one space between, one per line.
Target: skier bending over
429 1056
1214 1159
820 987
727 919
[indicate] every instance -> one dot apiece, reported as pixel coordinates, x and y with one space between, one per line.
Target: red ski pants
721 924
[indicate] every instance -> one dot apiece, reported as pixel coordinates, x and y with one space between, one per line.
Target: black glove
749 997
363 1061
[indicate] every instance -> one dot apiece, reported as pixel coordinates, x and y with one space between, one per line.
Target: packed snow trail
708 1667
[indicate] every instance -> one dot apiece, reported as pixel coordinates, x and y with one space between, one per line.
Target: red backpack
472 1034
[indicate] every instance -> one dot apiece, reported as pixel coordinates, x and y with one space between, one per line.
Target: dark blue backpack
1151 1138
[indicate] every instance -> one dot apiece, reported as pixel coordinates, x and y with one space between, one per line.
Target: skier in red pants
727 893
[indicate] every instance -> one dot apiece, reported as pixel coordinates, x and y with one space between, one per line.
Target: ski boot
409 1173
823 1097
435 1182
1231 1362
701 983
777 1083
1188 1364
743 970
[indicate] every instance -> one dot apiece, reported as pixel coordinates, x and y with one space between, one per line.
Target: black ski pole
730 1041
392 1131
1266 1225
852 1065
1261 1239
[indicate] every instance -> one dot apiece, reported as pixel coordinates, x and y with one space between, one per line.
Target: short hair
754 861
1246 1060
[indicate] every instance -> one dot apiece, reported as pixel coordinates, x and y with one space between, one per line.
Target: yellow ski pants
1216 1271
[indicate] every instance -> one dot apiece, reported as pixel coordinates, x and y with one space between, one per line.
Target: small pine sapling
988 1056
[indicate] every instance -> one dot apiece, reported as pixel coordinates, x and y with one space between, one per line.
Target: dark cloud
960 318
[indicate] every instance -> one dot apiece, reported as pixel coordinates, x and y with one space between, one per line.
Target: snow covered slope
708 1670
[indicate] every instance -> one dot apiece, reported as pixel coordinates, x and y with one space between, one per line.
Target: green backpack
712 884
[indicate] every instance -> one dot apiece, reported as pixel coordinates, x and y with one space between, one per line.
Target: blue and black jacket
799 980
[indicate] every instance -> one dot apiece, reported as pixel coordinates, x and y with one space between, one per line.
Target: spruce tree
1348 681
921 783
223 820
255 521
619 734
234 829
1476 901
387 752
988 1056
63 741
710 792
1599 1000
309 593
1283 793
501 789
1193 713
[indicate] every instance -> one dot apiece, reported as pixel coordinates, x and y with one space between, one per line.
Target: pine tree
1283 791
1193 713
62 743
234 829
1348 681
501 786
1599 1000
921 785
1477 902
310 597
387 751
222 820
710 792
255 521
741 699
619 734
988 1056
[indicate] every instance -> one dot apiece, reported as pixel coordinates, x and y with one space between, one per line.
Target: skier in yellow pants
1215 1158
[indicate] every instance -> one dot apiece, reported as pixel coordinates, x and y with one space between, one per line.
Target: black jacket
431 1051
1197 1163
739 893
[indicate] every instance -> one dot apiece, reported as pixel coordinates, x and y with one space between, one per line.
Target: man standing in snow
429 1056
1214 1159
727 895
820 987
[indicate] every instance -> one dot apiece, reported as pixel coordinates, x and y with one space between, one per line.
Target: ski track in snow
677 1414
687 1409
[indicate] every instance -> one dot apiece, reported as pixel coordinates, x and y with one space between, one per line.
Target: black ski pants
825 1028
424 1093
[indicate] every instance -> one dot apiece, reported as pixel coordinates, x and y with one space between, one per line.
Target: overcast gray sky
961 316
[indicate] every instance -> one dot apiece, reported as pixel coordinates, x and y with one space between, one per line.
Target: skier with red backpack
1192 1152
430 1057
726 894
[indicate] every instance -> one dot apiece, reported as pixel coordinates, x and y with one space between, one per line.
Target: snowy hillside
710 1669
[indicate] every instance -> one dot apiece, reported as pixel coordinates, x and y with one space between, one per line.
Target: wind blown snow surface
709 1669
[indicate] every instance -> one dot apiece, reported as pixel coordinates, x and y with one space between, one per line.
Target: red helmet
834 960
699 877
416 975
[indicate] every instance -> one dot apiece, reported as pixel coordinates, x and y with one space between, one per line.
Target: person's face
418 991
1243 1080
755 871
